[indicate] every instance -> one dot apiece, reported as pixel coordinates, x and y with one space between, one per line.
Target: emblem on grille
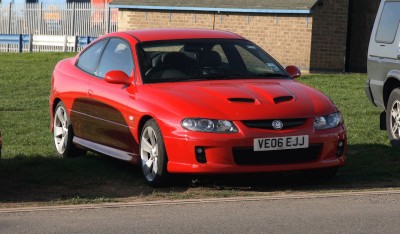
277 124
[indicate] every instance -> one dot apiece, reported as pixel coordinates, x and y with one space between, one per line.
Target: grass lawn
31 174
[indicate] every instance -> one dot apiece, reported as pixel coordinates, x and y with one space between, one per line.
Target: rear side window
116 56
388 23
89 58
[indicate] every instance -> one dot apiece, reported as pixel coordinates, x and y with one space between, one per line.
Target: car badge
277 124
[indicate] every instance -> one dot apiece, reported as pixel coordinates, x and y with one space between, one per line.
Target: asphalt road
346 213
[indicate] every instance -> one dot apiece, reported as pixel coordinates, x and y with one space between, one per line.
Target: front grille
247 156
267 123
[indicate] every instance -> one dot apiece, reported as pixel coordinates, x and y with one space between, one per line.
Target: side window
388 23
117 56
89 58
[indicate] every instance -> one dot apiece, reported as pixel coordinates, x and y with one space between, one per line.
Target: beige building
310 34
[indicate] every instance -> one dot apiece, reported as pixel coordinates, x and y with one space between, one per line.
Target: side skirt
115 153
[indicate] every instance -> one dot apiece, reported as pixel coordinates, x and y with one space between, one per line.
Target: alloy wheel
149 153
395 119
61 129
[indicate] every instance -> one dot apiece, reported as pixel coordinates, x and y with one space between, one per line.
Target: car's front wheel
153 154
63 134
393 118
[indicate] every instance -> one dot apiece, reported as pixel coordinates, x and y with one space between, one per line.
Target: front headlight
328 121
209 125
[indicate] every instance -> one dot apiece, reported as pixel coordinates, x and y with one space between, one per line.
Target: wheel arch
55 103
142 122
392 82
52 111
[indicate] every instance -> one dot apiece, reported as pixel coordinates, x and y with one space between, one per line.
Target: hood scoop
243 100
280 99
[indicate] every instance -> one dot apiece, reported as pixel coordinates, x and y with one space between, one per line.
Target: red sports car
192 101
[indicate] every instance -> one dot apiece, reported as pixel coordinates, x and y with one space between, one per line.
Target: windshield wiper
270 75
197 78
223 76
217 77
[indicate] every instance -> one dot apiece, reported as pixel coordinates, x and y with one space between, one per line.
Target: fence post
30 43
65 43
76 43
9 18
73 19
40 18
9 23
107 18
20 43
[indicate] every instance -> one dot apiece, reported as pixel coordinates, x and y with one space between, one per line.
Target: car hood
238 99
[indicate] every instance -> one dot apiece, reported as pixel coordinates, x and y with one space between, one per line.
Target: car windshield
205 59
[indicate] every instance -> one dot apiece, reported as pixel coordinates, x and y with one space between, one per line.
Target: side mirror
293 71
117 77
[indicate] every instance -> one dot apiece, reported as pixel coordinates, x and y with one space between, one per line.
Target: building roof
238 6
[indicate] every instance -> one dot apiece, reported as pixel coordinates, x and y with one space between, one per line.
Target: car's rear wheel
393 118
63 134
153 154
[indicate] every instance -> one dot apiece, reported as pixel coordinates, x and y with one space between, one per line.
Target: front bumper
233 153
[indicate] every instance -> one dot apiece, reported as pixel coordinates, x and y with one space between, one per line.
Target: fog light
340 148
200 154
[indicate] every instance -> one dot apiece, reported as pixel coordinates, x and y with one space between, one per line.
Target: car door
108 130
384 48
85 69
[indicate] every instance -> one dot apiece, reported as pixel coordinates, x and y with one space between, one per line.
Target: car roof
170 34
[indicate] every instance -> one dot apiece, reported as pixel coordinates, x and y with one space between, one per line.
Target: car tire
63 134
153 155
393 118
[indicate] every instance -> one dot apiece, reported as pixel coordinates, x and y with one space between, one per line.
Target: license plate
280 143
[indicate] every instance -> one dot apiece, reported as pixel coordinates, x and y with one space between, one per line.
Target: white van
383 84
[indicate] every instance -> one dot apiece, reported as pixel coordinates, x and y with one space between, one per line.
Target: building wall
329 35
362 17
131 20
286 38
314 42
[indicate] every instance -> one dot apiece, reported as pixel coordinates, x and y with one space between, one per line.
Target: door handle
90 92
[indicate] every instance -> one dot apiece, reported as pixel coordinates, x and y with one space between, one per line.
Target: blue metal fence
84 41
15 39
29 39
